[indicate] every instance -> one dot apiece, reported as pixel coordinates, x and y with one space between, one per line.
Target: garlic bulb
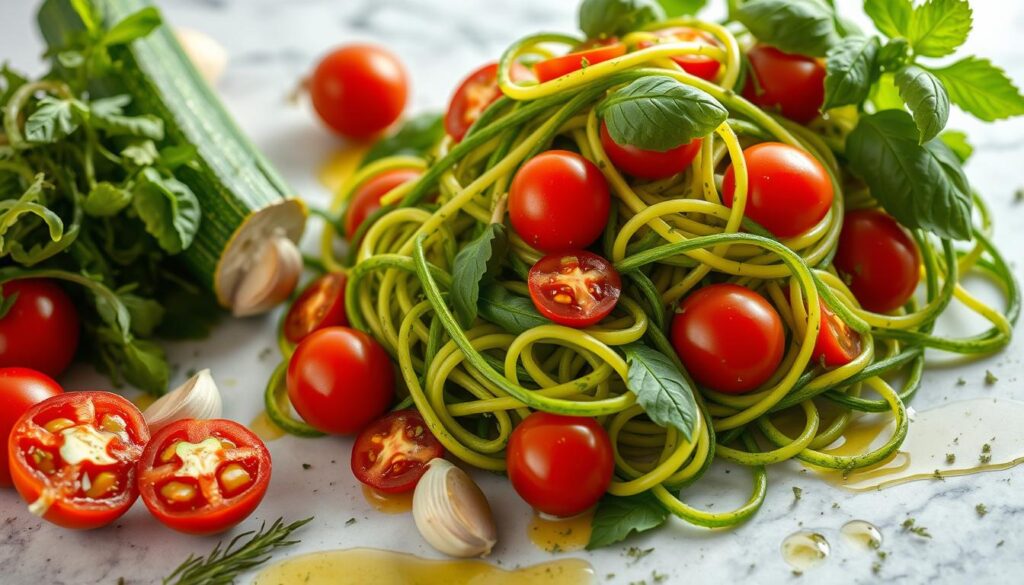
208 56
197 398
452 513
271 277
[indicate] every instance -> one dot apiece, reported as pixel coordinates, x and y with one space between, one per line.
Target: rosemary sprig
222 566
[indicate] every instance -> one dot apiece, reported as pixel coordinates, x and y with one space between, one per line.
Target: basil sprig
806 27
617 517
661 389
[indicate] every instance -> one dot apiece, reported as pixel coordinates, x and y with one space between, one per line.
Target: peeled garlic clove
271 277
208 56
452 513
197 398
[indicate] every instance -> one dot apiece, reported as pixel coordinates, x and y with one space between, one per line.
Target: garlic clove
209 57
270 279
197 398
452 513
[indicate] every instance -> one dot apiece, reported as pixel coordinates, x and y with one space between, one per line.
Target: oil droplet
388 503
555 534
265 428
362 565
862 534
341 166
144 401
804 550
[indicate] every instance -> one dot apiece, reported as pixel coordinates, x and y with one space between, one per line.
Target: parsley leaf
938 27
981 89
891 17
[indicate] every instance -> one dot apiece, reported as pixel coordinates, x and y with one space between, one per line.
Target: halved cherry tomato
575 289
321 305
340 380
391 454
366 198
728 337
40 331
203 476
559 201
649 164
359 90
73 457
793 84
476 92
561 465
699 65
878 260
20 390
552 68
837 344
789 191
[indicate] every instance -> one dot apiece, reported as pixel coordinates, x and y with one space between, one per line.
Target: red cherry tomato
391 454
203 476
474 94
20 390
359 90
366 198
73 457
789 191
649 164
561 465
552 68
339 380
728 337
321 305
559 201
699 65
792 84
837 344
575 289
878 259
40 331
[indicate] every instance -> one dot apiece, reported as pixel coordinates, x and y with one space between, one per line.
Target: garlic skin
451 512
209 57
197 398
272 276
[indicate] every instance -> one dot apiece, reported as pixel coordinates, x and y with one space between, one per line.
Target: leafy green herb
958 143
609 18
990 378
926 98
797 493
851 66
981 509
938 27
107 114
350 521
805 27
52 120
476 262
106 199
661 389
416 137
891 17
617 517
511 312
950 458
169 209
910 525
134 26
674 8
636 553
981 89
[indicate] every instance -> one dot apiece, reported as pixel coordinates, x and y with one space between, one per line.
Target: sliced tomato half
391 454
558 66
476 92
321 304
575 289
837 343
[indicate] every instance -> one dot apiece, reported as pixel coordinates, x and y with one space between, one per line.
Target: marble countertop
271 45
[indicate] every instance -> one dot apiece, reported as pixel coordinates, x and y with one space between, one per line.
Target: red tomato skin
878 259
321 304
477 91
359 90
80 514
559 201
696 65
792 84
366 198
649 164
41 329
561 465
339 380
789 191
610 285
566 64
729 338
233 509
421 450
20 390
837 344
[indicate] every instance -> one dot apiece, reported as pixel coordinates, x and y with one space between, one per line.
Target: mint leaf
169 209
609 18
479 259
981 89
675 8
134 26
416 137
661 389
926 98
851 67
660 113
922 186
52 120
958 143
617 517
938 27
891 17
511 312
106 199
806 27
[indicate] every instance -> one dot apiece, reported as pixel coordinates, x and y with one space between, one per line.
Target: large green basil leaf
926 98
661 389
617 517
660 113
851 68
805 27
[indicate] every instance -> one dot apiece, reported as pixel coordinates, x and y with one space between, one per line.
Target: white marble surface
271 44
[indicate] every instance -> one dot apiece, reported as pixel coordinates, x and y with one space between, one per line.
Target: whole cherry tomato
40 330
391 454
792 84
359 90
649 164
878 259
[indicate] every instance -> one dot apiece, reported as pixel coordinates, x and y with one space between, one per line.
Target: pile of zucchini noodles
665 237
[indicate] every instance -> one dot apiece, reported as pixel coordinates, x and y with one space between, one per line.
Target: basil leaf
172 157
134 26
891 17
617 517
675 8
851 68
609 18
981 89
660 113
957 142
106 199
169 209
661 389
52 120
806 27
938 27
511 312
922 186
146 314
476 261
416 137
926 98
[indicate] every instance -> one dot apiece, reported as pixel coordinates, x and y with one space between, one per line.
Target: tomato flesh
321 305
20 390
837 344
476 92
697 65
558 66
367 196
561 465
575 289
878 259
649 164
792 84
203 476
73 456
40 331
359 90
391 454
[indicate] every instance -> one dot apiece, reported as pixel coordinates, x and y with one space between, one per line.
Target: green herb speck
981 509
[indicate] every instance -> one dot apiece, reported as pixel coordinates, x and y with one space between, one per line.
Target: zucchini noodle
667 238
